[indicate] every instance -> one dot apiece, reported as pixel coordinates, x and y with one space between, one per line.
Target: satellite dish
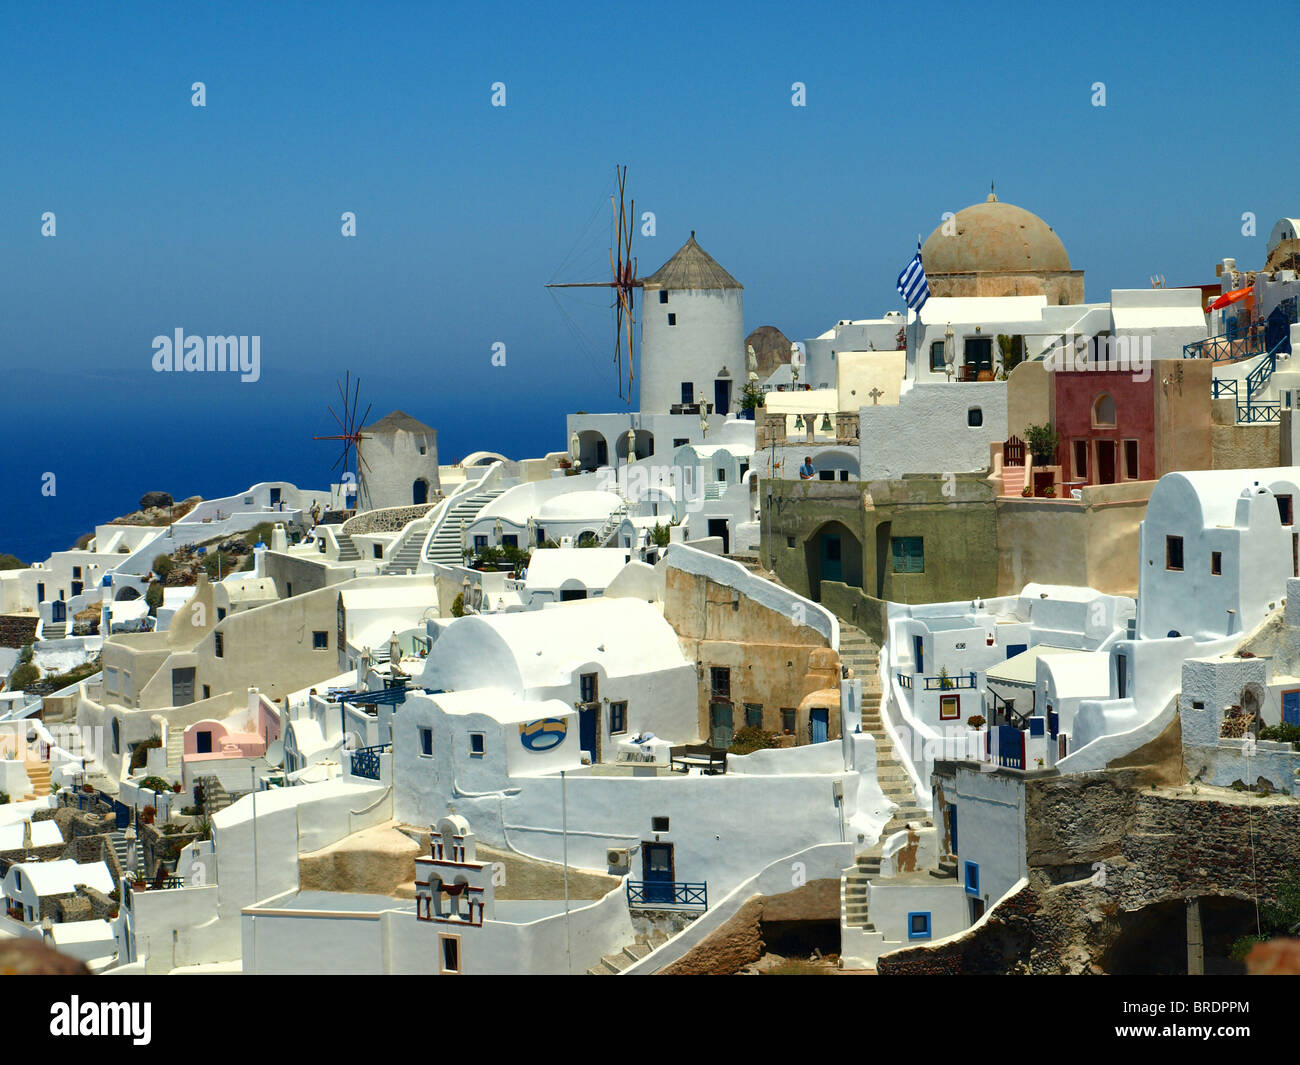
275 753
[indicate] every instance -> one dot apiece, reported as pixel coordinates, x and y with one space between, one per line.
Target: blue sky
226 219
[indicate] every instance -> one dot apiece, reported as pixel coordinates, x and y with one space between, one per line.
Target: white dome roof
577 506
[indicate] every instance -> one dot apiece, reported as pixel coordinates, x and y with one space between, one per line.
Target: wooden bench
711 760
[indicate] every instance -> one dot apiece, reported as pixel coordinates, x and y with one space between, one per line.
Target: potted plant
1042 442
976 722
751 398
1026 491
944 682
1050 491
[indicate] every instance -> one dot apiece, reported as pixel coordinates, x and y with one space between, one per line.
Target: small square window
753 715
975 417
909 554
787 721
672 319
789 541
844 475
378 550
658 824
320 641
426 742
826 475
1174 553
476 744
950 708
1216 563
663 295
617 717
918 925
972 879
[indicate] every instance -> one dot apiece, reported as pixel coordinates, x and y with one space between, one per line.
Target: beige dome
994 237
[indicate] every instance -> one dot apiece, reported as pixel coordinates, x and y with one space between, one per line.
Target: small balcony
667 895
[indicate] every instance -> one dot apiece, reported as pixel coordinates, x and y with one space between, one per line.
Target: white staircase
404 553
863 657
444 546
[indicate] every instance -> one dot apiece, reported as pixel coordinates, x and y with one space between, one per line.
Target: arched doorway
833 553
420 491
593 450
645 445
126 594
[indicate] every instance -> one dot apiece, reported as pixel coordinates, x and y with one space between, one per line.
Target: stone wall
394 519
1104 848
17 629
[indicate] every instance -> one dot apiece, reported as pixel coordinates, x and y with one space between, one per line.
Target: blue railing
1261 373
365 760
1221 387
904 681
664 894
1259 412
933 684
1227 348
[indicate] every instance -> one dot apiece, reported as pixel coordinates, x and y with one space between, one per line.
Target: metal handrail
649 894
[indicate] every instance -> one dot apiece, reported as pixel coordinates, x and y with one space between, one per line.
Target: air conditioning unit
617 857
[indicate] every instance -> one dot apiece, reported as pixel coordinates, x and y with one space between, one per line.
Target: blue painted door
1291 708
657 871
918 645
58 611
121 815
587 719
952 828
820 724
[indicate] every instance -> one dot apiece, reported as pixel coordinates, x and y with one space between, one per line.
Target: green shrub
163 565
155 784
1042 442
750 739
1286 733
4 798
458 606
154 596
10 562
23 677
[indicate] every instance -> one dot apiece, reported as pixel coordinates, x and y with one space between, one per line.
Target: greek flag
912 285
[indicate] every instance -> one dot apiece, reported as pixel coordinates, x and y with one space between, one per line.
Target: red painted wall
1073 396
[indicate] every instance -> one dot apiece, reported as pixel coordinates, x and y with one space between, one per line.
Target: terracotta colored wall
1072 399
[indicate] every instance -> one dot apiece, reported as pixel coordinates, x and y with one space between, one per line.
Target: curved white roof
542 648
62 877
1214 493
579 506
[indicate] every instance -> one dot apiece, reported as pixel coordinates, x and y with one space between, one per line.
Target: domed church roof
994 237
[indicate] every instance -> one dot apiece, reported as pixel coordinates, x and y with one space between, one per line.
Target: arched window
1103 412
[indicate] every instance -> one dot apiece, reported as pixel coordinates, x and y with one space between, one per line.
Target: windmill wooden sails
623 281
349 431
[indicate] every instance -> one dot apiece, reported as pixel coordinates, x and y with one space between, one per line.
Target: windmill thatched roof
398 420
691 268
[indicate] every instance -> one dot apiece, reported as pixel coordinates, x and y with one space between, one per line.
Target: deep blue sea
107 444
